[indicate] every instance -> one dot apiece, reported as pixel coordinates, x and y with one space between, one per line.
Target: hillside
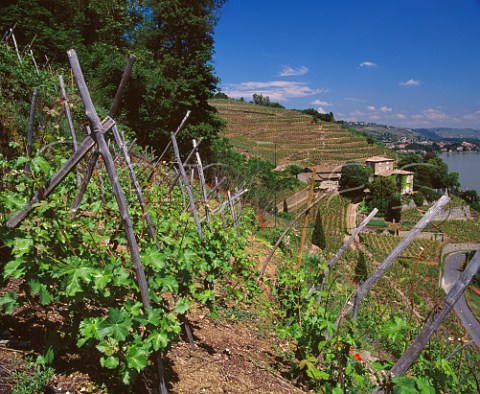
288 136
383 132
445 132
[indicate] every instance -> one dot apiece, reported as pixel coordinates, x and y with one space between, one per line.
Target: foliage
354 178
32 378
418 198
318 233
295 170
81 261
430 174
384 196
260 99
361 268
264 183
173 42
394 208
318 115
383 188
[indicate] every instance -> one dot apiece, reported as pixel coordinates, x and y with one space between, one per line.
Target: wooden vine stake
354 302
175 180
305 222
118 193
201 178
193 208
68 115
113 112
31 128
57 178
435 320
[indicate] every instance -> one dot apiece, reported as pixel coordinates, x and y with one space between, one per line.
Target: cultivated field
288 136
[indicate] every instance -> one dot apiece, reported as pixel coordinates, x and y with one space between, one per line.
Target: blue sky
411 63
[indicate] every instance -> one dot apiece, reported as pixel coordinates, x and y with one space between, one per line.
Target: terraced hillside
288 136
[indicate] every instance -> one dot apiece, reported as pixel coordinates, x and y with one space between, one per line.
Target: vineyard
419 250
136 272
333 211
460 230
286 136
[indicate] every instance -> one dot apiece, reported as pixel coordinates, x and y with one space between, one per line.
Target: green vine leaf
159 340
109 362
88 330
137 358
117 325
182 305
9 302
14 269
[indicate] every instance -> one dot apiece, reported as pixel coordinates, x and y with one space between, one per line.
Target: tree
383 187
394 208
418 198
383 191
294 169
318 234
221 95
354 178
361 269
260 99
173 41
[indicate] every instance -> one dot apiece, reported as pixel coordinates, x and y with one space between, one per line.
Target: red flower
357 357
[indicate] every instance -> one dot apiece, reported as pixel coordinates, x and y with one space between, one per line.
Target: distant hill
429 133
386 133
383 132
445 132
287 136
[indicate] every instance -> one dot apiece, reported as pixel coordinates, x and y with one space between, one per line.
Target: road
453 264
298 200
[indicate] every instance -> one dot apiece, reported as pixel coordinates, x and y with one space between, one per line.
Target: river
467 164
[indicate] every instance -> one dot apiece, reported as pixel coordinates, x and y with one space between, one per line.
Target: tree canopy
354 178
173 41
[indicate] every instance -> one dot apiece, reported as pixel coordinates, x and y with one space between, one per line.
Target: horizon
409 64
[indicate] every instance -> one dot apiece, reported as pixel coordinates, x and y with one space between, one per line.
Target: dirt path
351 218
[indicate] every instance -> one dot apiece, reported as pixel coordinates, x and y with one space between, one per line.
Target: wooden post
34 61
435 320
16 46
83 187
176 133
354 302
305 222
232 209
193 209
340 252
113 112
122 86
31 128
175 180
50 186
117 191
223 205
136 184
201 178
68 115
219 199
239 211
